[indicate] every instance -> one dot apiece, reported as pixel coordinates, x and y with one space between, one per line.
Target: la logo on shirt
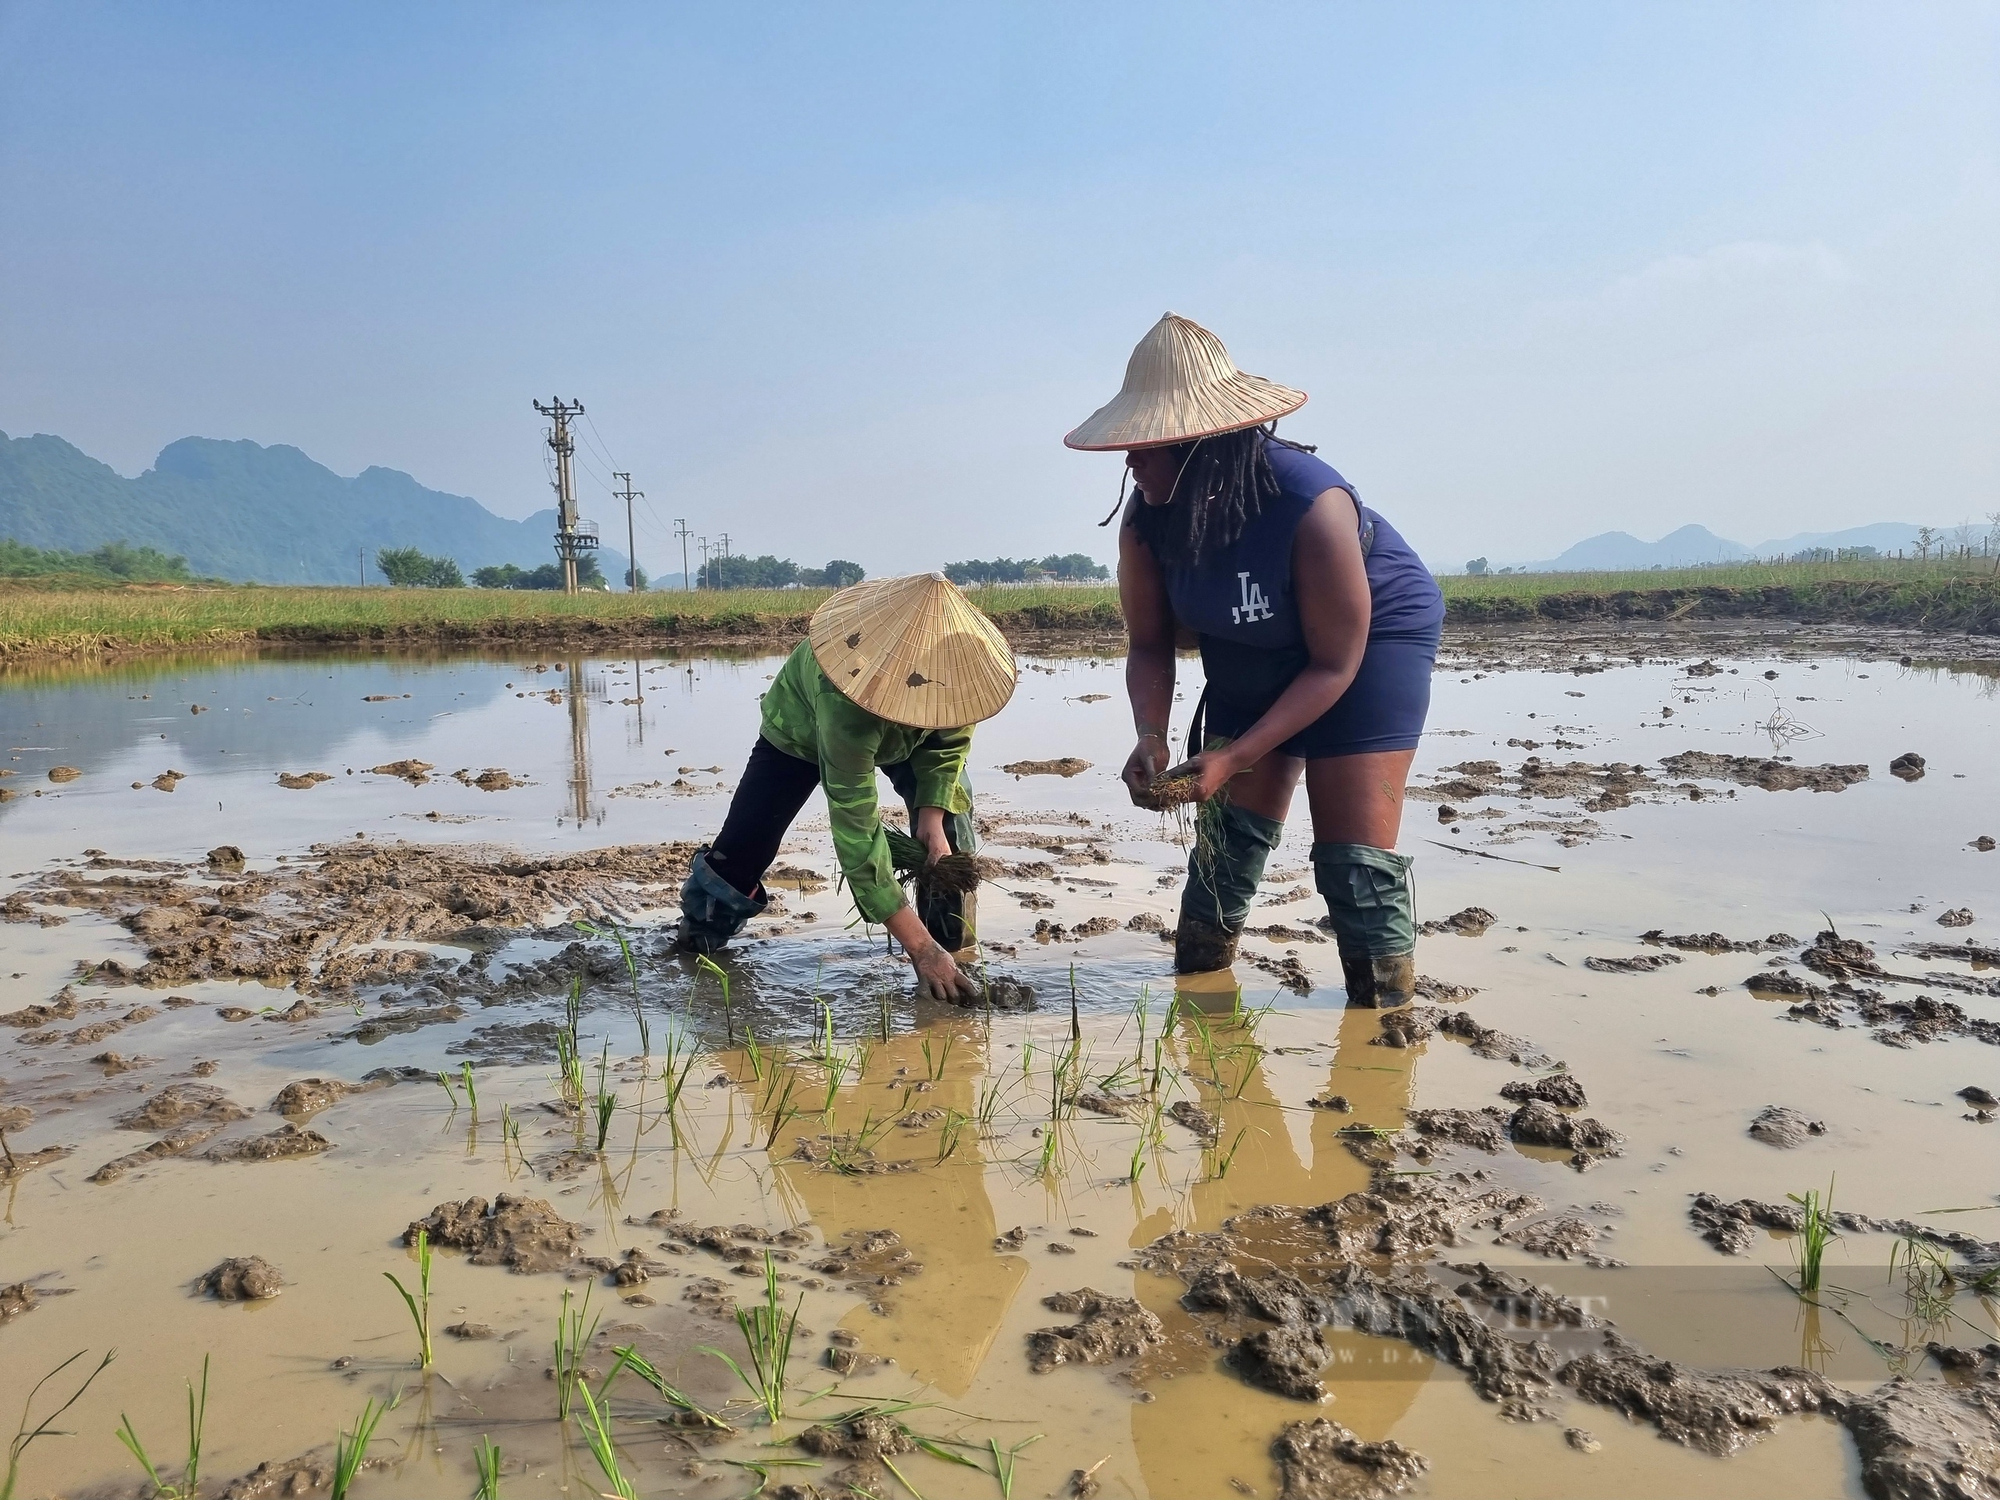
1254 606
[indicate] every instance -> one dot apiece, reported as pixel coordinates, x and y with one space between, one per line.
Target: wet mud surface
1224 1236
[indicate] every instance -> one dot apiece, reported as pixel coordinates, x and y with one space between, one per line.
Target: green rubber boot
1371 906
1230 848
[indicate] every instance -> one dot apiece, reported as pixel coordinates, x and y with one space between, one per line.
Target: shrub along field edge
41 618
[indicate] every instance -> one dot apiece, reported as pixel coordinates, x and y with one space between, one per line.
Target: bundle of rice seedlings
1168 791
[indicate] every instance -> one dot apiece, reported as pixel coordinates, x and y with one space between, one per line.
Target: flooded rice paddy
1532 1237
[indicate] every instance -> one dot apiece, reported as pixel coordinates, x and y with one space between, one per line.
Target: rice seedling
833 1068
992 1094
705 965
674 1075
352 1447
949 1133
783 1112
629 1358
762 1468
572 1343
871 1132
569 1067
1005 1459
1151 1134
1816 1232
607 1100
882 1013
1928 1282
446 1083
755 1053
1227 1159
24 1435
420 1304
597 1435
487 1457
825 1047
471 1093
767 1338
934 1065
190 1480
901 1478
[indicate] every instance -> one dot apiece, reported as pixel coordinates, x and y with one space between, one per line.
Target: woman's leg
724 887
1234 836
1357 811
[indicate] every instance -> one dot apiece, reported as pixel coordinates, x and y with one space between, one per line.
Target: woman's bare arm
1149 658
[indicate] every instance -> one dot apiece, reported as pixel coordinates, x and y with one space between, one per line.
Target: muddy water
781 1135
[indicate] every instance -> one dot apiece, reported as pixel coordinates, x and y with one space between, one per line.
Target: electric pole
361 556
571 538
628 495
703 543
683 533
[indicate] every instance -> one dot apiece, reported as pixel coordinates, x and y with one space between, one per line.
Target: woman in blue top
1318 627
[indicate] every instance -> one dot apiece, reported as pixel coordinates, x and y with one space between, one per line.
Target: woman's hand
931 834
938 975
1147 760
1212 770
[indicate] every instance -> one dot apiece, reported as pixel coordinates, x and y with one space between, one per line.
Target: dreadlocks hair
1224 484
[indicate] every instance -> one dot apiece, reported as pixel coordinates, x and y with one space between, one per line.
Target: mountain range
1620 551
242 511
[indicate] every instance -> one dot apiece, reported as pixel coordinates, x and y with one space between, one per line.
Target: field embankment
47 617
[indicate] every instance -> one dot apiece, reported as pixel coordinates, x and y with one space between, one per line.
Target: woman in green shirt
892 676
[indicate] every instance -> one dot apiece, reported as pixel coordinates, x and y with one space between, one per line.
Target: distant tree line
547 576
768 572
113 562
1073 567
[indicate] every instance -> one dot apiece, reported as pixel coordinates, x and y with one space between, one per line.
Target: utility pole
571 539
705 550
683 533
628 495
361 557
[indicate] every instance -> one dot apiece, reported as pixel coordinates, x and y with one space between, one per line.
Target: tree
408 568
113 560
547 576
1074 567
1476 568
766 572
838 574
1927 538
635 579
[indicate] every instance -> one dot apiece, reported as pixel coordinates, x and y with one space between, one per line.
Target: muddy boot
1230 848
1200 947
1379 983
712 910
1371 907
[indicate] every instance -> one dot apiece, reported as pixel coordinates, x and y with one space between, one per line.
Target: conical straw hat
1179 385
914 651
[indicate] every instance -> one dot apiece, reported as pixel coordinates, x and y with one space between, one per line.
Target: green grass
190 1480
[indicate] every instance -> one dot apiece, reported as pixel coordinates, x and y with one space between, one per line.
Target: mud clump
1782 1126
1924 1440
1472 922
1719 1412
1206 1128
275 1477
1566 1238
1286 1359
1958 916
416 772
1715 942
285 1143
1768 775
1537 1123
1644 963
174 1143
15 1300
248 1278
523 1234
308 1096
182 1104
303 781
61 774
1000 992
1559 1089
226 858
1321 1460
1065 766
1908 766
1411 1024
1483 1129
1107 1329
862 1437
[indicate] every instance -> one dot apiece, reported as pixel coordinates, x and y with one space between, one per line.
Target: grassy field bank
54 617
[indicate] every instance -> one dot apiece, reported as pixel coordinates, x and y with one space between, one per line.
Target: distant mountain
241 511
1620 551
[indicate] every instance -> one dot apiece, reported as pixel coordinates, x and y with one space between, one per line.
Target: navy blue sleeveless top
1245 593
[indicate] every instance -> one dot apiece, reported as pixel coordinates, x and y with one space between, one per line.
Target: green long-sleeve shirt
807 716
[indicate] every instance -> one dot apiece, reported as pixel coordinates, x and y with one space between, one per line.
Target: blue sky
835 279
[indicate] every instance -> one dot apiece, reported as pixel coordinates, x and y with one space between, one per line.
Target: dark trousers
775 789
